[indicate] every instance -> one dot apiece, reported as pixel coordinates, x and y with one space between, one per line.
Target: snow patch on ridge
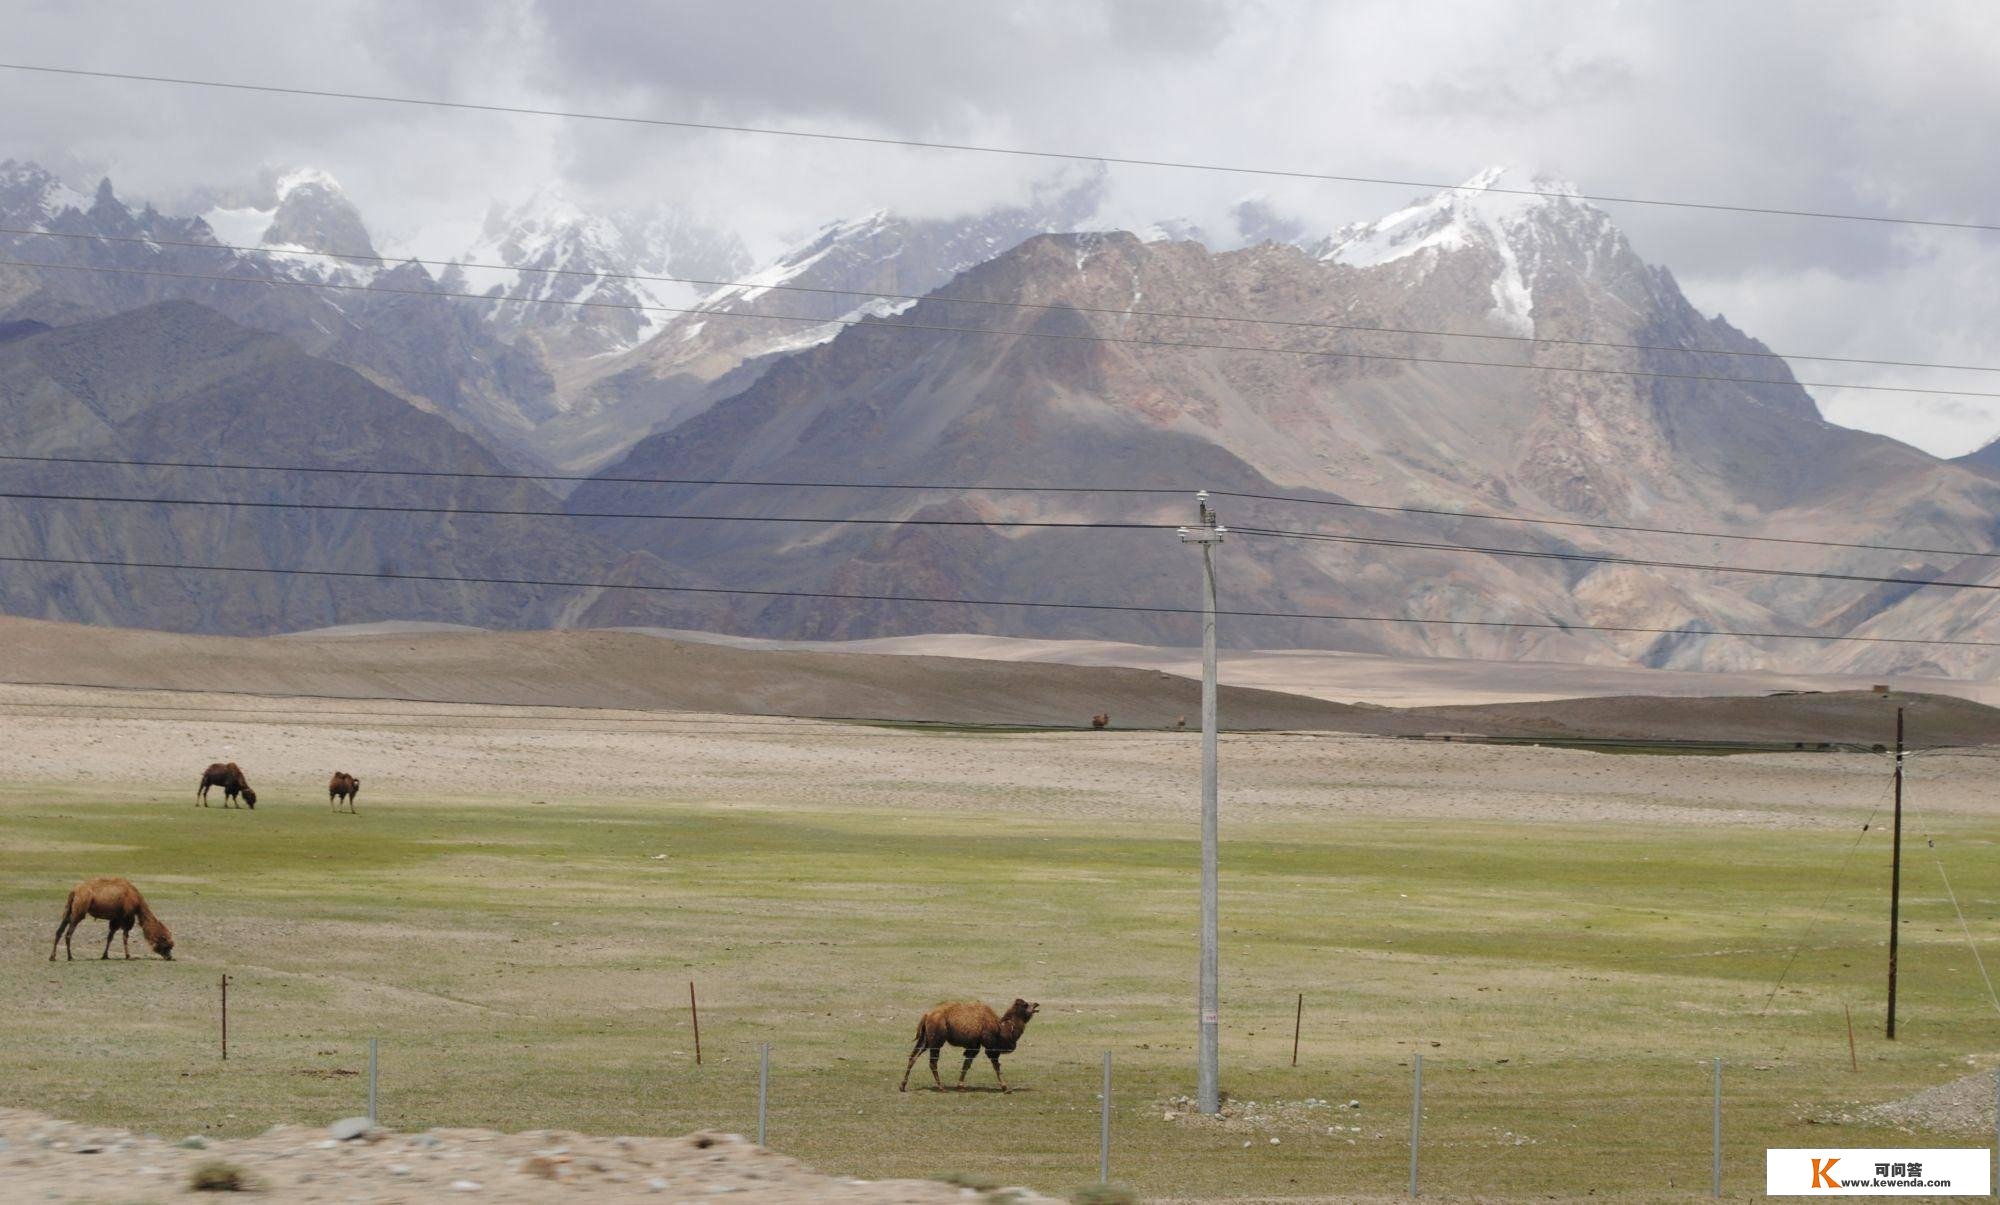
1510 224
302 177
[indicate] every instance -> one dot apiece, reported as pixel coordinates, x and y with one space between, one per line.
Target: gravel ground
42 1158
1962 1106
89 738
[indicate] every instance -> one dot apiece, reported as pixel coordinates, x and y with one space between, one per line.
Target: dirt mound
622 669
626 669
39 1155
1853 716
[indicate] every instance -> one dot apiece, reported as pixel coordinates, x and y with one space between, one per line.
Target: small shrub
218 1176
1105 1194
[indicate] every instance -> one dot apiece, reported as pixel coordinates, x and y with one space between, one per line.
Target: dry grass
1566 938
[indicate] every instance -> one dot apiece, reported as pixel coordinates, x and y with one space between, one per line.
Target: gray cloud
1806 104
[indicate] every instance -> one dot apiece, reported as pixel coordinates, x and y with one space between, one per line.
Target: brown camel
344 786
229 777
973 1027
1100 720
119 902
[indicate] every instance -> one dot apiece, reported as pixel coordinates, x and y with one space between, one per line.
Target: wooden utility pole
1896 875
1298 1019
694 1011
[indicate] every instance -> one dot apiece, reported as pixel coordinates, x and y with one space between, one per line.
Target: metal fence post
372 1079
1104 1127
1416 1116
1715 1172
763 1090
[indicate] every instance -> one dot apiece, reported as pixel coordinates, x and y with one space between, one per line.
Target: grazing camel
973 1027
117 901
344 786
1100 720
229 777
1180 725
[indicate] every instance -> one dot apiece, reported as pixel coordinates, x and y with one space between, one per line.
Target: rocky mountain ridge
1476 350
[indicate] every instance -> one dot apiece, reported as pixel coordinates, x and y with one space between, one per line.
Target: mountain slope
1381 418
794 303
175 381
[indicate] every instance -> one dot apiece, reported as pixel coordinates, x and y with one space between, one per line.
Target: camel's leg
62 931
935 1051
994 1058
971 1053
912 1066
110 931
126 934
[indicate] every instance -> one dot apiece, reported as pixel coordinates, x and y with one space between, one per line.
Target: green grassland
527 965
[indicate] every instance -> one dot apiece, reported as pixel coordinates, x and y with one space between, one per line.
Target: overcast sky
1883 108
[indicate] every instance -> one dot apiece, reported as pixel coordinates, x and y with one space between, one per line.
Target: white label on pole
1936 1172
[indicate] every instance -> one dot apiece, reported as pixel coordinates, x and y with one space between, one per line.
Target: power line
1296 323
1072 525
558 514
1931 844
962 487
977 487
1579 523
1813 918
979 602
886 324
1320 537
1607 559
1017 152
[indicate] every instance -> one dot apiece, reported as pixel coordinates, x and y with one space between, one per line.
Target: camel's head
1023 1010
249 799
162 940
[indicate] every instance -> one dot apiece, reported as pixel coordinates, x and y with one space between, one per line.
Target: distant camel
1100 720
972 1027
344 786
117 901
1180 724
230 778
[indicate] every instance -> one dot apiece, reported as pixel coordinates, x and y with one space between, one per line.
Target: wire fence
1418 1125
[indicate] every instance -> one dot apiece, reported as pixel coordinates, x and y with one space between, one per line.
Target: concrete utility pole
1207 533
1896 875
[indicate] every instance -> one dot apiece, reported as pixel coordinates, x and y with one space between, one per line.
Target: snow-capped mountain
1390 382
561 251
1370 414
30 196
1492 214
846 271
309 230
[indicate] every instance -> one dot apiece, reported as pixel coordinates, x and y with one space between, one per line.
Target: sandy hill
635 670
624 669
